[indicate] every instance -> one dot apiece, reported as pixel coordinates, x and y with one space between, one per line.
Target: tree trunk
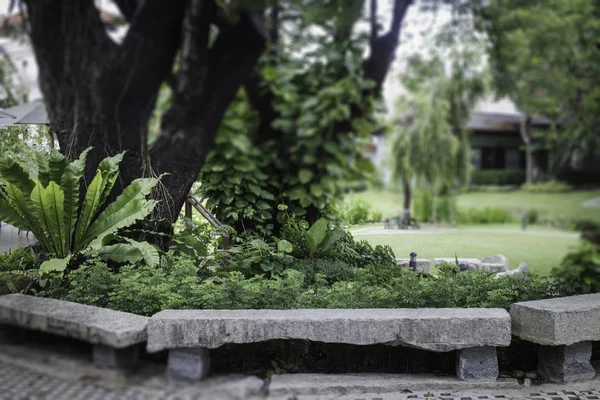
525 131
102 94
407 200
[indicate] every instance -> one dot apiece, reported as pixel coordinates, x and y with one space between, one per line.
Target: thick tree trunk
101 94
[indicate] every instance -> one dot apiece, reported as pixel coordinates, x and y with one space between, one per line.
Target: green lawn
540 249
555 206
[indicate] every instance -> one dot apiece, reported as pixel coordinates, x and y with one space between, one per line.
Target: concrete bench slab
565 327
438 330
559 321
114 333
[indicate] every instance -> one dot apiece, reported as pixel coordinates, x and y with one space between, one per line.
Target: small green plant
579 271
357 211
66 226
320 238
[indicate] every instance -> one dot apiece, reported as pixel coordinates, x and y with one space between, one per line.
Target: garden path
381 230
10 237
592 203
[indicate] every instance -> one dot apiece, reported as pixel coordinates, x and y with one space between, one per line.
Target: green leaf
11 216
121 253
111 166
263 205
48 207
285 246
129 207
305 175
56 166
13 172
90 207
70 183
316 190
43 168
22 205
149 252
318 231
54 266
255 189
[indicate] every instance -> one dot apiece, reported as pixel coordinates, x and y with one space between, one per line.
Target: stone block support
478 363
109 357
566 363
188 364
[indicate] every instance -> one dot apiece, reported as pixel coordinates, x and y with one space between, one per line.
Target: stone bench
475 333
565 328
114 334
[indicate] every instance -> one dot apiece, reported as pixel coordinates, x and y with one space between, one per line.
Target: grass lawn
551 206
540 249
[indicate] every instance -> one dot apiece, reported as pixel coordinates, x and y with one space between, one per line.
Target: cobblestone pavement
18 383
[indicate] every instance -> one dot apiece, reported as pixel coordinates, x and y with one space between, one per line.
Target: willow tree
101 93
429 128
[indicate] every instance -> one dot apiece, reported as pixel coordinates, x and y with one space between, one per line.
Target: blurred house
496 144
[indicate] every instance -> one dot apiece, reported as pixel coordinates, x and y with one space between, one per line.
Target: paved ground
10 237
592 203
48 372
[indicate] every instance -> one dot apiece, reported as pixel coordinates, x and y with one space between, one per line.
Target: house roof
33 113
500 122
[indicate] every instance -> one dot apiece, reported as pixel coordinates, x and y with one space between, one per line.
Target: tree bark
101 94
407 190
525 131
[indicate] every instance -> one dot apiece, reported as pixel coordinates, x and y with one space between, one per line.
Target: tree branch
383 47
183 145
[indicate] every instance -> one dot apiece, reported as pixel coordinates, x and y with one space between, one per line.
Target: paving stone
426 328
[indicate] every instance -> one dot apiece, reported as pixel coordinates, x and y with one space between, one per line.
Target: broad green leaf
91 203
316 190
255 189
121 253
110 165
70 185
305 175
13 172
43 175
11 216
22 205
318 231
285 246
56 166
331 238
54 266
149 252
128 208
48 208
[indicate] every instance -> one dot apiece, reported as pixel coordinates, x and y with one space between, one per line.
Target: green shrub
547 187
500 177
587 226
488 215
580 177
91 284
19 258
532 216
423 207
376 216
357 211
579 271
